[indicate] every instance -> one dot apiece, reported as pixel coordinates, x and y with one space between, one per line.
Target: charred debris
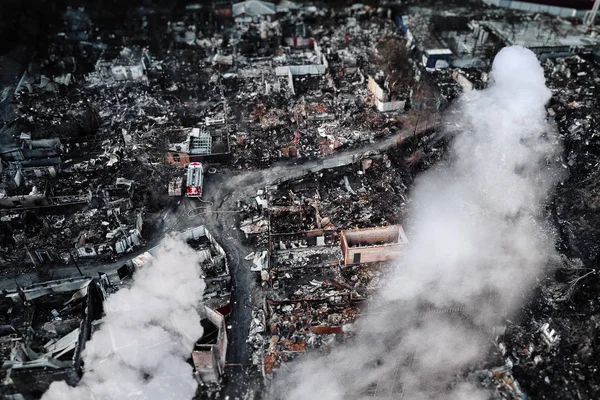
45 326
208 354
44 330
111 111
312 288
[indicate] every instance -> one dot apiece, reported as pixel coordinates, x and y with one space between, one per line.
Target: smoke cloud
477 242
147 334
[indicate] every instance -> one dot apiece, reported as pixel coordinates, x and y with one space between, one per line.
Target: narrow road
224 190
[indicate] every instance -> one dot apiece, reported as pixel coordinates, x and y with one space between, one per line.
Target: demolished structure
314 282
44 330
119 125
374 244
210 350
214 266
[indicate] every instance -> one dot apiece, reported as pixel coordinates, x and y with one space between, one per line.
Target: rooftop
253 8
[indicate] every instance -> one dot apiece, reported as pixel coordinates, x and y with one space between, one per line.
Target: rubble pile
575 82
294 328
112 109
311 294
309 116
299 274
312 308
368 193
45 327
371 196
89 134
549 350
553 344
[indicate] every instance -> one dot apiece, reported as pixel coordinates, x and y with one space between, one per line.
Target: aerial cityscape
298 200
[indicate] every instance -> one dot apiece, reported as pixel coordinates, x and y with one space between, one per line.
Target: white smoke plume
147 334
477 242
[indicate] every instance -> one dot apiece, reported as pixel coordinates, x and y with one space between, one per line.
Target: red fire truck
195 179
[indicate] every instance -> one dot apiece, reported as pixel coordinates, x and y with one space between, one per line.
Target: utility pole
75 262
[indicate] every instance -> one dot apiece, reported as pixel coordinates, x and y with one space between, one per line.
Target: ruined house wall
314 69
372 236
376 90
381 98
178 159
221 347
24 201
94 310
373 244
40 171
344 246
311 237
363 255
206 364
299 41
194 233
390 105
209 359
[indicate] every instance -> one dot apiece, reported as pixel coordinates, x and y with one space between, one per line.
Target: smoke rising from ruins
477 242
148 331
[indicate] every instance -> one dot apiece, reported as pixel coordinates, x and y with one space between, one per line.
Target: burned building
44 330
26 168
297 63
373 244
453 40
210 350
469 39
206 142
382 100
546 37
316 274
214 266
129 64
37 157
18 191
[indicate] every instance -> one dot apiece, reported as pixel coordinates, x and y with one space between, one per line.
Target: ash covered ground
298 158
